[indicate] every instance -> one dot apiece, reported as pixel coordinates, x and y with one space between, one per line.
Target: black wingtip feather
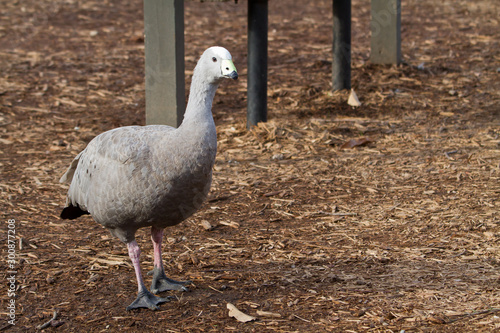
72 212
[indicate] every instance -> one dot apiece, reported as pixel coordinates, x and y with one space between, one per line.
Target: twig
47 324
336 214
303 319
6 327
97 319
313 245
219 198
468 315
215 289
223 270
448 153
263 209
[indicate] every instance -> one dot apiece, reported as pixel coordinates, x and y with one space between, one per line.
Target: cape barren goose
151 176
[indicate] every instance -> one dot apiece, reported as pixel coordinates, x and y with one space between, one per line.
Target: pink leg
160 281
157 237
134 253
144 298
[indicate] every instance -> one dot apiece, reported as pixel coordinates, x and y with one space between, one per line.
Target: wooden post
341 65
386 32
257 62
164 47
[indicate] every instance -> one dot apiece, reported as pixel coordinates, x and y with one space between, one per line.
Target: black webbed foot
162 283
145 299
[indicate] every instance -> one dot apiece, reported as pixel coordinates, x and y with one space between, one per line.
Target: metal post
257 62
341 65
164 48
386 32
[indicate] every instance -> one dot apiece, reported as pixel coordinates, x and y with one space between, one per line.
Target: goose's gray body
133 177
139 176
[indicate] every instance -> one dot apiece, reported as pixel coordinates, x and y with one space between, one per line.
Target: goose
151 176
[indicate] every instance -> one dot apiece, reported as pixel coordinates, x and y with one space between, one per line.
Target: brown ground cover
401 233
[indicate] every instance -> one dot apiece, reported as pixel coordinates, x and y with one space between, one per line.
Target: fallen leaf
356 143
353 99
206 225
240 316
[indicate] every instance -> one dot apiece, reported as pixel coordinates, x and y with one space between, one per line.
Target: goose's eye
214 59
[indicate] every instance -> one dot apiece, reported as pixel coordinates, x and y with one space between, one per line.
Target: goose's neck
199 106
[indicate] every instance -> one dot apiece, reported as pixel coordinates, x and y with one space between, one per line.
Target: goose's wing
108 159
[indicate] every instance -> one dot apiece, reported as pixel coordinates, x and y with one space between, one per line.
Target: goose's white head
216 63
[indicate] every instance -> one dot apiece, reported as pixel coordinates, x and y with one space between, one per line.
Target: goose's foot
162 283
145 299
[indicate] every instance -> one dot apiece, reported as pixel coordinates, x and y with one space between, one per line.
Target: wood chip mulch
328 218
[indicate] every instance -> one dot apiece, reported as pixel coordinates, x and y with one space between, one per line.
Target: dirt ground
398 234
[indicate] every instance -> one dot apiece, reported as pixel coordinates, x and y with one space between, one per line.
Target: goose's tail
72 212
